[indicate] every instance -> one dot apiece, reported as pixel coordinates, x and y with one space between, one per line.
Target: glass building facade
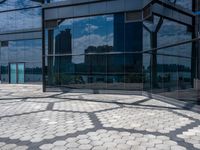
20 55
99 52
146 46
169 70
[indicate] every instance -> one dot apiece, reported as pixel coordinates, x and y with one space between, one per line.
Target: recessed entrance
16 73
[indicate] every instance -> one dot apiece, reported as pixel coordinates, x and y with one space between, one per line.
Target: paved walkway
30 119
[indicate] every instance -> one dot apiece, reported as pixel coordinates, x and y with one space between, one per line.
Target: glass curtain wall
169 71
27 52
20 16
97 52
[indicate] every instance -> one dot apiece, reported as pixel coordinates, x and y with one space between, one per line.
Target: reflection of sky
170 33
21 19
23 51
91 31
185 3
15 4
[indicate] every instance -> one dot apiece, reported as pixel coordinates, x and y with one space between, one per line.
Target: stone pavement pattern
32 120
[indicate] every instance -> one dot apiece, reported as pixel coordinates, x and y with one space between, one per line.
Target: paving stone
197 146
59 147
31 125
110 144
123 146
150 120
72 145
21 148
177 148
85 147
83 141
96 143
83 106
99 148
9 146
46 146
191 136
59 143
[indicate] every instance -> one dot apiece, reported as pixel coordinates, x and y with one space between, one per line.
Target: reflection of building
97 60
131 34
63 45
63 42
95 55
20 42
113 37
112 45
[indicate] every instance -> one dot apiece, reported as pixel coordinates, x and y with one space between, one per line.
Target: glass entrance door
17 73
13 73
20 73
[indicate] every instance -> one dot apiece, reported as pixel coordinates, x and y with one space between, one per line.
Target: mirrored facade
20 53
146 46
169 71
27 52
122 51
100 52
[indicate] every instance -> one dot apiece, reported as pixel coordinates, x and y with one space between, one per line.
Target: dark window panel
4 76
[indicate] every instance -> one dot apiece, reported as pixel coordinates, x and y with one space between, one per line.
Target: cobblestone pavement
32 120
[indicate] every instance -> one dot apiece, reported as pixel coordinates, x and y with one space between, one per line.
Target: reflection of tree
171 68
154 45
3 69
36 70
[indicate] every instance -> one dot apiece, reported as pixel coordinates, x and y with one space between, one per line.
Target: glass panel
146 72
172 32
20 73
95 49
4 77
16 4
20 19
33 72
4 54
185 3
169 71
28 72
13 73
27 51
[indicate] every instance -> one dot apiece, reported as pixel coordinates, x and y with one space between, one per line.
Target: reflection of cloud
185 3
110 18
82 43
90 28
170 33
14 4
27 50
22 19
69 22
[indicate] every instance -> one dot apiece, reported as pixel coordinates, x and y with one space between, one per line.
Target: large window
23 51
20 19
95 52
18 4
169 71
